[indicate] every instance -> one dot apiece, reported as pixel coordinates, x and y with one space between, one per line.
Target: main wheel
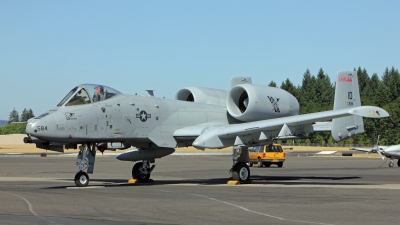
260 163
138 174
241 172
391 164
398 162
81 179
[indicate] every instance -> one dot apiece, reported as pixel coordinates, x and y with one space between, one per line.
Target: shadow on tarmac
281 180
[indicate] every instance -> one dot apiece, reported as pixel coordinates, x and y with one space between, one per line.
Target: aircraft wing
360 149
368 151
217 136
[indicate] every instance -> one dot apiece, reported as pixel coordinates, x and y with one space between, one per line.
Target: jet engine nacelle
202 95
248 102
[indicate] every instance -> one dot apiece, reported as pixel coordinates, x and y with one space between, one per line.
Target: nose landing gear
85 162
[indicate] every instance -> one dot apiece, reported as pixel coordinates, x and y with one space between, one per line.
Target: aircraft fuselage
124 118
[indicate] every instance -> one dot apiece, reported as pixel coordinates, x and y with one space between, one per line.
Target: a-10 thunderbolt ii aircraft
391 152
99 117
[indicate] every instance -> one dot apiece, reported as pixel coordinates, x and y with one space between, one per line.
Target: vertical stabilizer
347 95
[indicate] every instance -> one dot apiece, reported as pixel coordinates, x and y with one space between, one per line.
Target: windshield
67 96
88 93
80 98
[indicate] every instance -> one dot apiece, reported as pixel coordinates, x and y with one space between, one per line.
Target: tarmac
192 189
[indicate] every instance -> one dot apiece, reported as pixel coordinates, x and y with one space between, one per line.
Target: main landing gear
142 170
240 170
391 164
85 162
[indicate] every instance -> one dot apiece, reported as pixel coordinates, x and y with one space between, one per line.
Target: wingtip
370 112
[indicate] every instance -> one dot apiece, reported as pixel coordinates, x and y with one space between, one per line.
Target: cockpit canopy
88 93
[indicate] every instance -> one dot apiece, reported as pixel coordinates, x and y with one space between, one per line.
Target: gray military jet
391 152
98 117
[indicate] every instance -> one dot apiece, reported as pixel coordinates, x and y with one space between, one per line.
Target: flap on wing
322 126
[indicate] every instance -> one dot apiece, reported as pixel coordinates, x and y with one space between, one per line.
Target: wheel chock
133 181
236 182
137 181
233 182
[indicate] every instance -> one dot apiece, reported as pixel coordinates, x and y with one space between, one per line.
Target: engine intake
248 102
202 95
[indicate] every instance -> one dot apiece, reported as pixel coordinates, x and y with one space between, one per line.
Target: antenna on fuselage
151 92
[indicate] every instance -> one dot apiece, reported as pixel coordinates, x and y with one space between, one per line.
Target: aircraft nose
30 127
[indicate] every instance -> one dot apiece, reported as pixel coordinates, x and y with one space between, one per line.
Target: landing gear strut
240 170
142 170
85 162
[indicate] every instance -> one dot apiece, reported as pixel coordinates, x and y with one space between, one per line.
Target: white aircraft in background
391 152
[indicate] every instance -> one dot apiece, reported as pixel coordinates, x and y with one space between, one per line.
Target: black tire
137 174
81 179
267 164
241 172
280 164
259 163
398 162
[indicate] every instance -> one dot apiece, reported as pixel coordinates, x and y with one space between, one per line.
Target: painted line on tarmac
30 206
294 185
251 211
88 187
27 202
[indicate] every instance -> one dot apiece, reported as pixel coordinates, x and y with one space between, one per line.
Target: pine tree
272 84
289 87
13 117
30 113
26 115
308 96
391 79
324 91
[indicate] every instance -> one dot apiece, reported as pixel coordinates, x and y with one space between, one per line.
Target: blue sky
48 47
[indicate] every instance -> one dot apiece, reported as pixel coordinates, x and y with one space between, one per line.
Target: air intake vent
243 102
190 98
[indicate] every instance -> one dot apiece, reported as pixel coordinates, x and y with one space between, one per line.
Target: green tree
26 115
289 87
308 96
324 91
364 84
272 84
391 79
13 117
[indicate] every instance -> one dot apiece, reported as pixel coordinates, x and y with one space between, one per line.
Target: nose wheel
85 162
